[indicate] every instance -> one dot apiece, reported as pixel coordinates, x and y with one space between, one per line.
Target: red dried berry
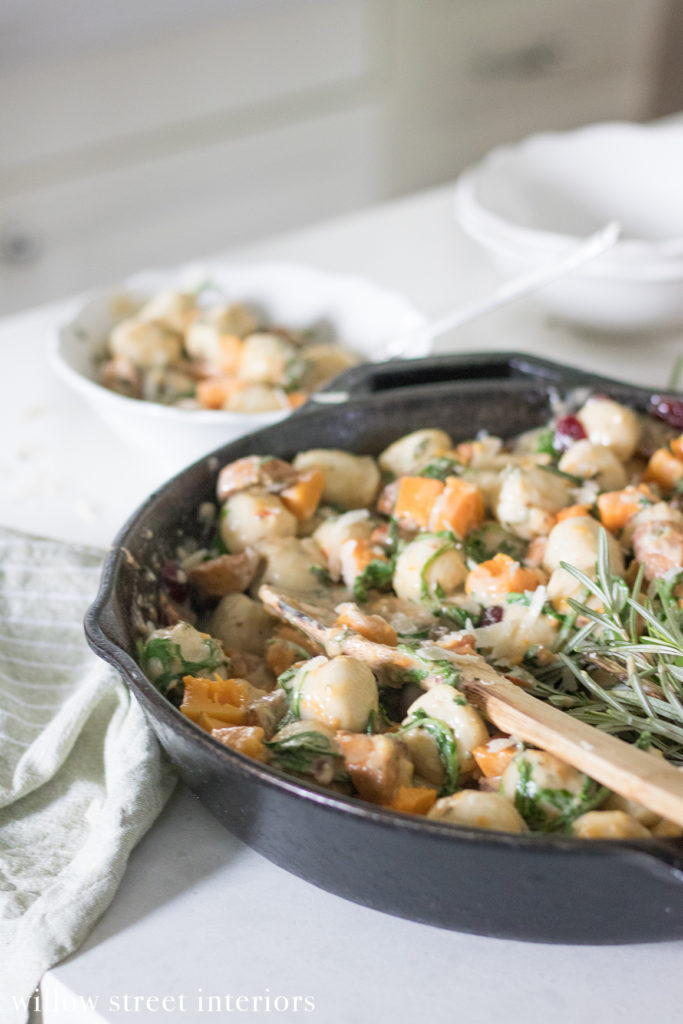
174 581
492 615
668 409
567 430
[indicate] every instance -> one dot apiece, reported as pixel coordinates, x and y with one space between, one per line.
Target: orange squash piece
501 575
492 763
358 552
296 398
231 348
302 497
616 507
572 512
664 469
214 392
415 499
414 799
372 627
219 698
677 446
460 508
246 739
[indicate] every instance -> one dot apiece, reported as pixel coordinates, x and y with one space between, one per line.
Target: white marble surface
198 913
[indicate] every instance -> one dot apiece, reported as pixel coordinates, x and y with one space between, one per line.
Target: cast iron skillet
540 888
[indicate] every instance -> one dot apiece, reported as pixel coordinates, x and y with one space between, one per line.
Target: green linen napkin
82 776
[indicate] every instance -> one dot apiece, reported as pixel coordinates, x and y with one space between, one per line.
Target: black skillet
539 888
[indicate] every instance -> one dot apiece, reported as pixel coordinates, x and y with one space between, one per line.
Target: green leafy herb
639 642
291 682
375 576
307 753
442 669
545 444
577 481
426 594
162 652
378 721
321 574
445 742
394 539
442 467
553 810
491 539
455 616
294 372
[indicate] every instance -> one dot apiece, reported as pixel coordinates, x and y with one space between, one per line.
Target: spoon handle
511 290
620 766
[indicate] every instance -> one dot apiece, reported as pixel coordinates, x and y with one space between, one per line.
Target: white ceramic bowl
361 314
529 204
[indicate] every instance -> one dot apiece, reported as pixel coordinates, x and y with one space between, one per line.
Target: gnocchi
419 563
178 350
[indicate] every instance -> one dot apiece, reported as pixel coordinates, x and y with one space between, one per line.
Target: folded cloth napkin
81 774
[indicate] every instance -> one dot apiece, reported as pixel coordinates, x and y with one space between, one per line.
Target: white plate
531 203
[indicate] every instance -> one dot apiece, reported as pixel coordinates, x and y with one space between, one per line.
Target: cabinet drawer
256 55
494 54
100 228
491 71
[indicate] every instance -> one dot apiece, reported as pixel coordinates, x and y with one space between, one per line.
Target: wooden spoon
620 766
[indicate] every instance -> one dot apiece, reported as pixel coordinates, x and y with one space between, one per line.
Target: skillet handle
375 378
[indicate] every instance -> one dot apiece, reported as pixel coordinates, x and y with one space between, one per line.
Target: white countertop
198 913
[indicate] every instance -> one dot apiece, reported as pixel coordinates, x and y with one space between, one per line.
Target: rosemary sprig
620 659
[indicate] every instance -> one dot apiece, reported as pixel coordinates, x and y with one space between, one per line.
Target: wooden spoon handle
620 766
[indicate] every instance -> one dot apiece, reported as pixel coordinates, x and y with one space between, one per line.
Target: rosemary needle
622 668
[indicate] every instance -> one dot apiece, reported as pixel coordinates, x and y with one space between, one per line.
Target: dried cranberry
668 409
175 581
492 615
567 430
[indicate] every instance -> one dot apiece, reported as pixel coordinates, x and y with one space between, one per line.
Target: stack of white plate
532 203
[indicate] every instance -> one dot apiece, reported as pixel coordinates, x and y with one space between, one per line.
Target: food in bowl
180 350
558 556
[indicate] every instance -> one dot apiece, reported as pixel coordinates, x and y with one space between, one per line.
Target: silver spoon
517 287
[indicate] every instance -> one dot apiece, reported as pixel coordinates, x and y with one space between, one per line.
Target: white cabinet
140 134
163 210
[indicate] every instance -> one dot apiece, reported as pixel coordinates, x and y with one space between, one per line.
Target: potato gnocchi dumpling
178 350
421 564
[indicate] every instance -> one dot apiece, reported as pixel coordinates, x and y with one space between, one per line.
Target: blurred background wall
143 132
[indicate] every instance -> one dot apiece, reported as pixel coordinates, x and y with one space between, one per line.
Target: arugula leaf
394 540
491 539
321 574
441 467
168 654
578 481
375 576
425 594
445 742
306 753
378 721
457 617
445 670
545 444
529 800
294 372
